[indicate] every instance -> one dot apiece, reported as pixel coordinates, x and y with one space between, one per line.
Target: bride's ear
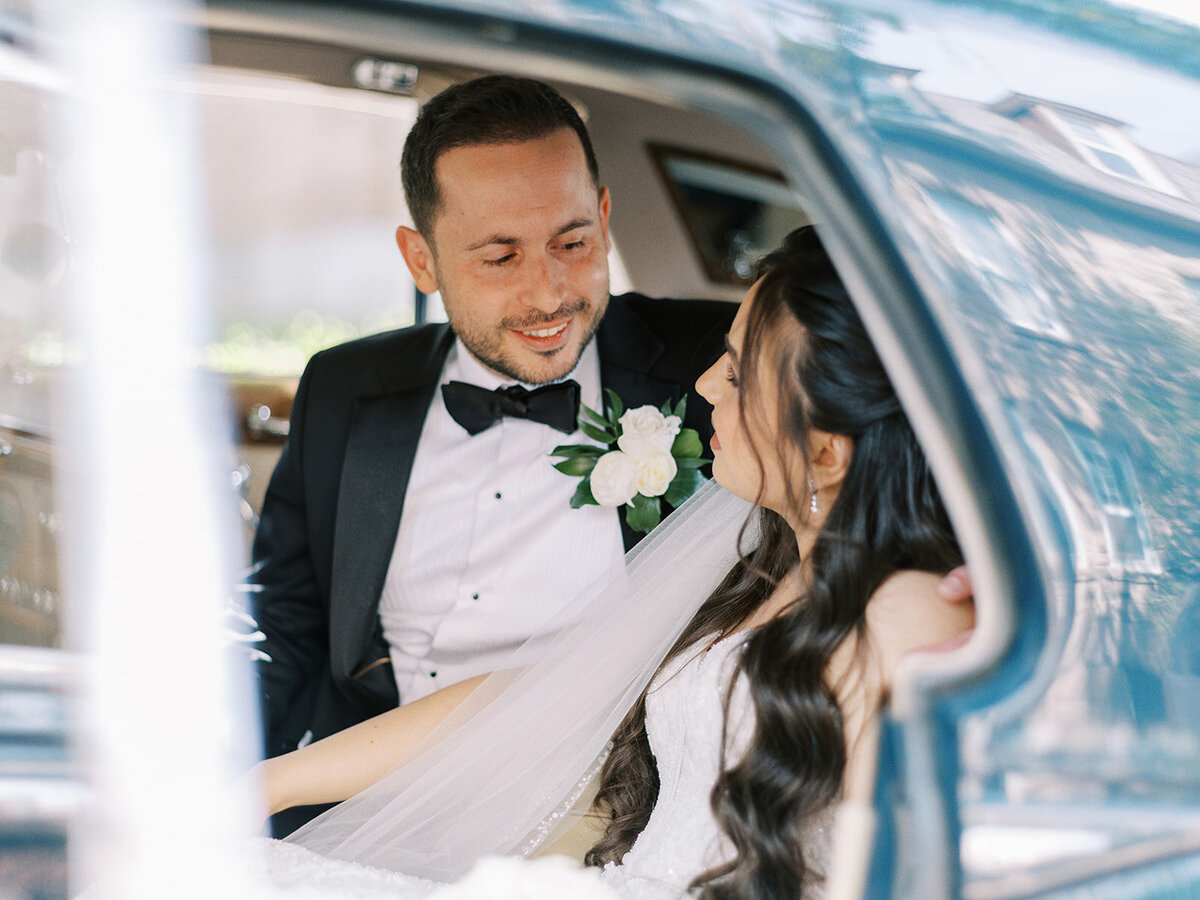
829 458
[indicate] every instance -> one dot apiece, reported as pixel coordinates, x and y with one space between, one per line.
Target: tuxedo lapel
380 449
628 352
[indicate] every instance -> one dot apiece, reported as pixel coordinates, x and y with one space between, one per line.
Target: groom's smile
549 335
542 337
519 253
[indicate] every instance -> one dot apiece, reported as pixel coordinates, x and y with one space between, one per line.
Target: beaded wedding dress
685 718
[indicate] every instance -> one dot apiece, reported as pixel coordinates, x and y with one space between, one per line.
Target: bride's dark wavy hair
803 332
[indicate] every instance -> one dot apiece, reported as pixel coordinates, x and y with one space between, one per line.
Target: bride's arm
908 613
341 765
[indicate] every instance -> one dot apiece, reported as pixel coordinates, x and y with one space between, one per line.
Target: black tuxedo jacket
333 506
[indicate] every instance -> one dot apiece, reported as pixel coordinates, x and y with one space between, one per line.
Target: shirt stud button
474 596
433 674
497 495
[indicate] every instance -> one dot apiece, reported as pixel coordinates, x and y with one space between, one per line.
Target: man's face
519 253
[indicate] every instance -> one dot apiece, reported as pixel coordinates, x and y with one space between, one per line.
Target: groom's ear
418 256
830 456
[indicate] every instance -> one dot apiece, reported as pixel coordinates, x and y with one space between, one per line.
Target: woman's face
746 455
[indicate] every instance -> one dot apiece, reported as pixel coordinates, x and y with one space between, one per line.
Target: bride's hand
253 787
956 586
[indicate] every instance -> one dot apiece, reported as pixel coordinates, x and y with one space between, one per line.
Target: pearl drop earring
813 507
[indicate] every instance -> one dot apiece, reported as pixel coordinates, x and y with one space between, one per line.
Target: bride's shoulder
906 613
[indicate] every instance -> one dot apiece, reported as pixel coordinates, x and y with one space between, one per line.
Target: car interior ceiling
650 235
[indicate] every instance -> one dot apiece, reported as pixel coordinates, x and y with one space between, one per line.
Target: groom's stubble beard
487 346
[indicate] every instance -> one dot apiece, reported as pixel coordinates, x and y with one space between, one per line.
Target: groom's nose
547 287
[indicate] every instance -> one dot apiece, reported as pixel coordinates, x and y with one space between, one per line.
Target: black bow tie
478 409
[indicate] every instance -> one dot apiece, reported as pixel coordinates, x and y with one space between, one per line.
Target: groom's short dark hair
494 109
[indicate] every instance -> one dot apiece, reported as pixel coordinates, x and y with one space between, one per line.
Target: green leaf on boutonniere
578 465
603 435
616 408
586 412
683 485
571 451
643 513
596 426
687 444
583 495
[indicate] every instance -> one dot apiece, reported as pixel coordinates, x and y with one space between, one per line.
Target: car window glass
734 212
1087 324
303 193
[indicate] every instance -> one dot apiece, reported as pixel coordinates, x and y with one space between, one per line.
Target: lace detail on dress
684 722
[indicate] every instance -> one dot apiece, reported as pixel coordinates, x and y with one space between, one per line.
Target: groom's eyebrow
572 225
506 241
493 239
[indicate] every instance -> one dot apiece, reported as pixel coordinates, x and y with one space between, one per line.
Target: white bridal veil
499 775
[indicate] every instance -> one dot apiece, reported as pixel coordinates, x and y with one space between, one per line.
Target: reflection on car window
1102 144
1110 474
991 256
1193 285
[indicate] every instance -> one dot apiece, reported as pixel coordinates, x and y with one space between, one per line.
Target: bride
740 725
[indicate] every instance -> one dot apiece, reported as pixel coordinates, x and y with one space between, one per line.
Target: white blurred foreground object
299 874
548 878
147 570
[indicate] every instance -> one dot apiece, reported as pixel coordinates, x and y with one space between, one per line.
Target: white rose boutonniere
655 474
650 425
648 459
614 479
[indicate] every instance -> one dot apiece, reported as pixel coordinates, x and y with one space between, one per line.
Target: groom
405 542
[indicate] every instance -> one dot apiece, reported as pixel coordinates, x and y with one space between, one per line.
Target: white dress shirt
488 545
